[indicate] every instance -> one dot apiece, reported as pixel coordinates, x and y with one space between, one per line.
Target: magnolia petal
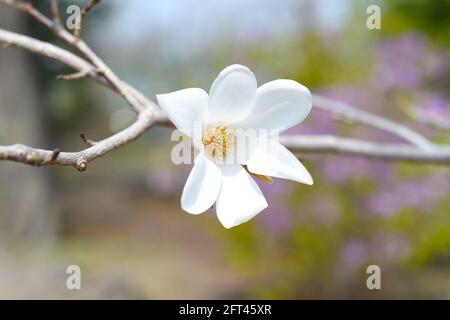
240 198
279 105
186 108
231 95
202 186
270 158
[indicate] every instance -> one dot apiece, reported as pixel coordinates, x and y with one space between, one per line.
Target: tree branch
421 150
78 160
387 151
357 115
84 12
439 122
51 51
148 113
89 142
55 11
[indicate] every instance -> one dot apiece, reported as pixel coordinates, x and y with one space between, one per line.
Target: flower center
217 141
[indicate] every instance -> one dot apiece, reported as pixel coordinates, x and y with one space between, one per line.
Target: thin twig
357 115
89 142
55 11
134 98
75 76
75 62
84 12
78 160
435 121
46 49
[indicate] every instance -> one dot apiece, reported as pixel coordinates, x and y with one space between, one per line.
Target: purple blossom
277 219
407 62
341 169
384 203
436 65
398 62
278 189
440 185
353 254
353 95
435 108
381 171
436 104
416 193
388 248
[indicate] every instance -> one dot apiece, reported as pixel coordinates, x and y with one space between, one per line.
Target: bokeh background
121 221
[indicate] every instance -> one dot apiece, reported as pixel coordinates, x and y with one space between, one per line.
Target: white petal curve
270 158
231 95
240 198
186 108
279 105
202 186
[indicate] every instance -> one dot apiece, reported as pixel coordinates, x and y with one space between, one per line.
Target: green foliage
430 17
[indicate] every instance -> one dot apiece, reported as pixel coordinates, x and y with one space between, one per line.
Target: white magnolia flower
235 102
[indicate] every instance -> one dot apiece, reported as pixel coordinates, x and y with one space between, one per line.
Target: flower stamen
217 141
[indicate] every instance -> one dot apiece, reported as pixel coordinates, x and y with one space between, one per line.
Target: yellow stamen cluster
217 141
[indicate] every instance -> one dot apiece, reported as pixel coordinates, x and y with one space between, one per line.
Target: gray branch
78 160
300 144
420 149
370 119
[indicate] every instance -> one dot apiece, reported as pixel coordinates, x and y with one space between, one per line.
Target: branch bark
420 150
329 144
73 61
84 12
78 160
148 113
351 113
55 11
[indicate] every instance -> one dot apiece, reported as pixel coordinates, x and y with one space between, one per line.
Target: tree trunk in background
24 191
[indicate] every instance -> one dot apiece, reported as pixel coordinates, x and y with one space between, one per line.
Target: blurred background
121 221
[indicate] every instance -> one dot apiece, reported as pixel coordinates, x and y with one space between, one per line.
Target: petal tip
194 211
234 223
232 69
228 227
307 180
235 67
